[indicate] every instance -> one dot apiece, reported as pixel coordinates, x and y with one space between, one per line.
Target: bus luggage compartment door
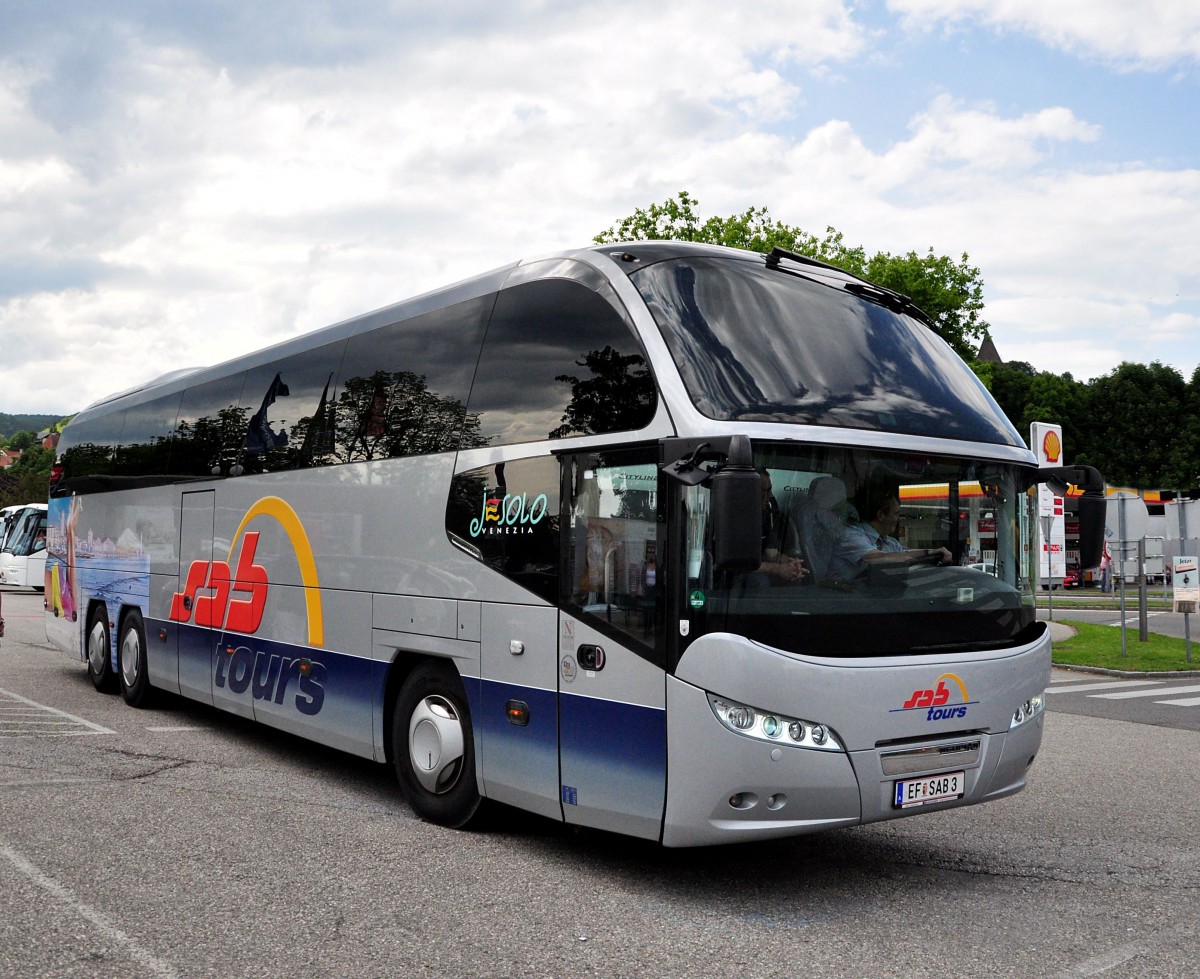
519 706
195 642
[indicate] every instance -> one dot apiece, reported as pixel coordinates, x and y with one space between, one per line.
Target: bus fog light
763 726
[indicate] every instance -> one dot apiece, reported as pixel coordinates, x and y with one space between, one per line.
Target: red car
1073 578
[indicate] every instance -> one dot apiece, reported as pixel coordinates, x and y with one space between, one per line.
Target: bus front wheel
131 658
99 650
433 748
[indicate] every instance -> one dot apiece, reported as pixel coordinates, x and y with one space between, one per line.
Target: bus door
195 641
612 686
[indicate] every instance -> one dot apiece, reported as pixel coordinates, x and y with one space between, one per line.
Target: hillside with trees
10 425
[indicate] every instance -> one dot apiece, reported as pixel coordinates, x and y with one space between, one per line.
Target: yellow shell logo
1051 446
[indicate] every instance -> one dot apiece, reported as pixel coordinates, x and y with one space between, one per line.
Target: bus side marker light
517 712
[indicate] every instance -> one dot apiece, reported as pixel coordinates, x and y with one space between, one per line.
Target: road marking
182 727
1185 702
1158 692
5 729
135 951
1103 685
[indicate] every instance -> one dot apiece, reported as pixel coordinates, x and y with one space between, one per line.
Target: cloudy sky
184 182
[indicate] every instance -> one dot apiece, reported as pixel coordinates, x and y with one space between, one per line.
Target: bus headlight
1028 710
774 728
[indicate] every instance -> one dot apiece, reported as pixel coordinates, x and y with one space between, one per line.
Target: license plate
932 788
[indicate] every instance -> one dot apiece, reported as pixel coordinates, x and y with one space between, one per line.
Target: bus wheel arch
132 668
432 745
99 649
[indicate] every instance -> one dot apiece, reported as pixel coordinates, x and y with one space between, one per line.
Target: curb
1127 674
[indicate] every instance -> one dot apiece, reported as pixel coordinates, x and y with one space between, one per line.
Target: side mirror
737 510
1092 507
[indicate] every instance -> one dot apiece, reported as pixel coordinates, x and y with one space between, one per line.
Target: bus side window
559 360
404 387
209 429
507 516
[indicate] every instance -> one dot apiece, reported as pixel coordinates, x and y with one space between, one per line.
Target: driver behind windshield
871 540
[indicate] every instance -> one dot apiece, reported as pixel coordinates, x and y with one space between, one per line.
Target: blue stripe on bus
614 754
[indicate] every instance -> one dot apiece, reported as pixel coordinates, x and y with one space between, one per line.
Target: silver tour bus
661 538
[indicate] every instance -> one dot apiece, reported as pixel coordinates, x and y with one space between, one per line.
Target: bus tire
99 650
433 748
131 661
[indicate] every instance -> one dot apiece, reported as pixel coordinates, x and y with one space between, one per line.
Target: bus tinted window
145 446
757 344
290 412
87 451
210 430
559 360
507 516
405 386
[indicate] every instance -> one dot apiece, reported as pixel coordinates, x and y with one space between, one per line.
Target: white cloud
1149 34
202 204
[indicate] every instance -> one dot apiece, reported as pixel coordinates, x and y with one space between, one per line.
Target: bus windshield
870 553
754 343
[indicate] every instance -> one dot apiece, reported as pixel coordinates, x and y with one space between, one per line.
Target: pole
1143 625
1121 546
1047 525
1187 636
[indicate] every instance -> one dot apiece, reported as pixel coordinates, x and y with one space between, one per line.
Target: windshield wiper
897 302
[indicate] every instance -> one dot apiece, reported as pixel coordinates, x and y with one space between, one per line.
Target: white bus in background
573 536
23 550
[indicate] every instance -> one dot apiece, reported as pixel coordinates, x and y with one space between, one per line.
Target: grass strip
1100 645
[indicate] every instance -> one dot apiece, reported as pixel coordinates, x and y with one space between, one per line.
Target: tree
1132 435
949 291
28 479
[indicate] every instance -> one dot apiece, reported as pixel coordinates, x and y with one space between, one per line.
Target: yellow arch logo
285 516
962 687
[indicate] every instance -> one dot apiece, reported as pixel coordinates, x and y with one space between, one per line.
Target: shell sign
1051 446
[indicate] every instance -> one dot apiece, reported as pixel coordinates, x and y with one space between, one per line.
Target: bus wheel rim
97 653
436 745
131 657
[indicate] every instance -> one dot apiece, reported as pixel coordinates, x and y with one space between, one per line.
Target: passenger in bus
776 565
822 519
871 540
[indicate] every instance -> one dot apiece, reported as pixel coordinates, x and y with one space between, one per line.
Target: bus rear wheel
131 658
99 650
433 748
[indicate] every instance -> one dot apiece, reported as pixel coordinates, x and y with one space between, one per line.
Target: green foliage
949 291
1139 424
28 479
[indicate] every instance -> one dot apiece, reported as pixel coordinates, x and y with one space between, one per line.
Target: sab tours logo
936 701
208 600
